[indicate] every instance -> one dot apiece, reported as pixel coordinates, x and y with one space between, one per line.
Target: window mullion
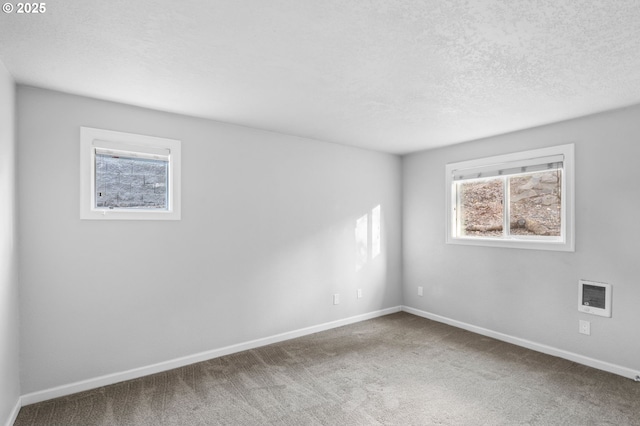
457 210
506 213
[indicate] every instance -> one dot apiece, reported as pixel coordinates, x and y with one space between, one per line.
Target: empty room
319 212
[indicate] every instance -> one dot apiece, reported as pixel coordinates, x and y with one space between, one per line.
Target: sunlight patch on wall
375 232
366 237
362 241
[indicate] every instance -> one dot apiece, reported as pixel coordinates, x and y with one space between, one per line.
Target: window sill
531 243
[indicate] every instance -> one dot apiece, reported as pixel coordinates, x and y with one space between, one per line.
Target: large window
127 176
521 200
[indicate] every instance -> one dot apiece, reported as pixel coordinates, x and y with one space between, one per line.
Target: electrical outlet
419 291
336 299
359 293
584 327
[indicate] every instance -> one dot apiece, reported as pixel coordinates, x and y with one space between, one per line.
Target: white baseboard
14 413
135 373
549 350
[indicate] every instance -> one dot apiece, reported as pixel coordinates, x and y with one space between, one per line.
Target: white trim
14 413
91 138
143 150
507 168
83 385
135 373
567 243
549 350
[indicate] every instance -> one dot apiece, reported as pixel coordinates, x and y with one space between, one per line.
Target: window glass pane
480 208
535 203
131 183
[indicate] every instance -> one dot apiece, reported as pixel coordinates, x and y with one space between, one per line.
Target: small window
520 200
128 176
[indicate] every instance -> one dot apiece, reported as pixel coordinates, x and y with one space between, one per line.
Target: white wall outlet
419 291
336 299
359 293
584 327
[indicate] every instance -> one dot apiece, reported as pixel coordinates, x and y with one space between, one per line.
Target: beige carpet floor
395 370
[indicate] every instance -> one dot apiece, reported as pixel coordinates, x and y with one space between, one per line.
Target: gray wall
266 238
9 345
531 294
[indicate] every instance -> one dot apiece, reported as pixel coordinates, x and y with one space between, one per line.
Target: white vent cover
594 298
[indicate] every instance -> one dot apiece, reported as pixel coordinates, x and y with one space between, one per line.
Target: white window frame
483 166
92 139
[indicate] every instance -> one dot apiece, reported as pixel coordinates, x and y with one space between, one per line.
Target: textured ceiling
389 75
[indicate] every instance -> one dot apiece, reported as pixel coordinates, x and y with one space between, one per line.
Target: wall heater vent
594 298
